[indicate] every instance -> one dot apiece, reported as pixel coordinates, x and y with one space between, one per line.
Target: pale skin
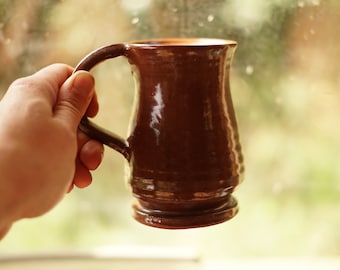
43 154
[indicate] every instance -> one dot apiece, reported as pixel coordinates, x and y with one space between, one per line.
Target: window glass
285 85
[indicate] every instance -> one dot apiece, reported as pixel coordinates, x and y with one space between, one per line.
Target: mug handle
88 127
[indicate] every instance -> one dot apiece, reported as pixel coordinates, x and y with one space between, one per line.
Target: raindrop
278 101
135 5
316 2
249 70
135 20
277 188
301 4
210 18
24 25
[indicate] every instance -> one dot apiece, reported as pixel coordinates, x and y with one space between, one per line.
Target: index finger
43 85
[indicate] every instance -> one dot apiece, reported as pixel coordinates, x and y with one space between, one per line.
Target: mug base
179 220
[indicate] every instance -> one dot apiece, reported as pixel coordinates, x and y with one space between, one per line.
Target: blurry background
285 84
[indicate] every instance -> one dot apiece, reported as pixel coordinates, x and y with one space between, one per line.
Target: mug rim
181 42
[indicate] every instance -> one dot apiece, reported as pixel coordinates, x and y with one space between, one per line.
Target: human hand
42 152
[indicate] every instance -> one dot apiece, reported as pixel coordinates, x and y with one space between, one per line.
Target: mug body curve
185 159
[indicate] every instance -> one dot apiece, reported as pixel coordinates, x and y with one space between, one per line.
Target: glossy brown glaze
183 149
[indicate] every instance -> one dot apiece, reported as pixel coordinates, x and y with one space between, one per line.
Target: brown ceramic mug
183 149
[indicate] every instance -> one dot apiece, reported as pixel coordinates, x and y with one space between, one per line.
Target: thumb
74 97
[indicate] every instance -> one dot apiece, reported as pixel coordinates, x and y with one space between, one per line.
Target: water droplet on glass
278 101
210 18
135 20
135 5
277 188
301 4
316 2
249 70
24 25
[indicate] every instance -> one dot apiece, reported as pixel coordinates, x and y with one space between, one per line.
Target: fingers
93 108
55 75
74 97
69 96
90 155
83 177
43 84
90 152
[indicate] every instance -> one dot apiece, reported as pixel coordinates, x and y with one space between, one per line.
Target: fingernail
83 81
